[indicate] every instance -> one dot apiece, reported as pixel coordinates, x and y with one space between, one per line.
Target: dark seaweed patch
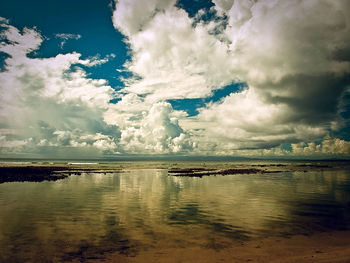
45 173
200 172
31 174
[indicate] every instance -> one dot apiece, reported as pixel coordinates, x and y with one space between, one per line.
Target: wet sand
330 247
39 172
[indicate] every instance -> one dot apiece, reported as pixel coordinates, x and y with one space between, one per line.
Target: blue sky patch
192 7
88 18
191 106
3 56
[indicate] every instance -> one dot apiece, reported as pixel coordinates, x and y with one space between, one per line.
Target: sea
92 214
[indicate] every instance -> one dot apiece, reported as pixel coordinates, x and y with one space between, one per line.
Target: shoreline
328 246
38 172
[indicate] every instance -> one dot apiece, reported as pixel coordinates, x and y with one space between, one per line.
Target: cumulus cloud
17 44
243 121
50 103
285 52
173 59
328 146
131 16
157 132
223 5
293 56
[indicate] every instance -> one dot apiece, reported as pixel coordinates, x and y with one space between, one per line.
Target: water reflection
87 216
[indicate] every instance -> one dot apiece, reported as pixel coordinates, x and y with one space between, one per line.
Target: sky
166 78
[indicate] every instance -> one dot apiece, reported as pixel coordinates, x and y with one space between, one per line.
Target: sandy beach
320 247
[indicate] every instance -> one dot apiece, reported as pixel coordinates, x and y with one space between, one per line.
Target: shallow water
88 216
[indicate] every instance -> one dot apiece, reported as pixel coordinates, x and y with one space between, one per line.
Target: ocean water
86 217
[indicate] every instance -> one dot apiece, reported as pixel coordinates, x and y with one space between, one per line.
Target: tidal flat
256 211
45 171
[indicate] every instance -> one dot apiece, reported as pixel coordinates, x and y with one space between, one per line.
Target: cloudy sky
252 78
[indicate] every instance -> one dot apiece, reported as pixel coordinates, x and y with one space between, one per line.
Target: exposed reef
31 174
35 173
231 169
38 172
200 172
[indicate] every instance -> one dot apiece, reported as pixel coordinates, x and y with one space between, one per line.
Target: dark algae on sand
31 174
199 172
34 173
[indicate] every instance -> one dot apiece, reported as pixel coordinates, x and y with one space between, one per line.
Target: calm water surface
87 216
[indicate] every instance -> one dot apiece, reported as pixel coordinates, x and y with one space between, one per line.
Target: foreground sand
321 247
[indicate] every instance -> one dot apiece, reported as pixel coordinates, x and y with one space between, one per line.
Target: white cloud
20 44
46 102
328 146
223 5
97 60
243 120
285 51
174 59
130 16
157 132
65 37
291 54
